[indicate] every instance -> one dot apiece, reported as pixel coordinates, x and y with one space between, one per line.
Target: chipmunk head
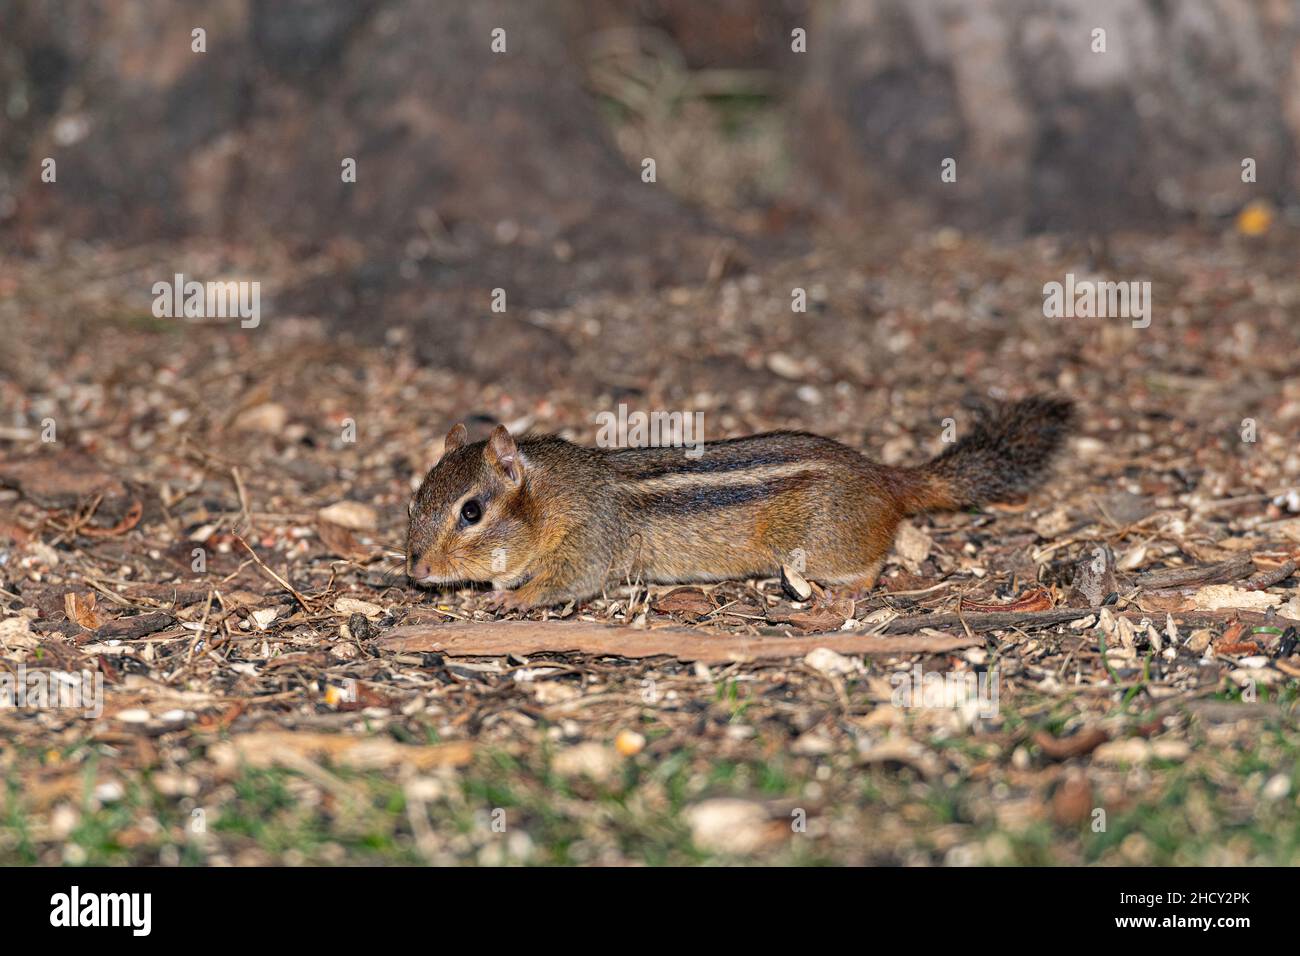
471 519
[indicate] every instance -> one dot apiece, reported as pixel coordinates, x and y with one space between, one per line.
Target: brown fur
560 520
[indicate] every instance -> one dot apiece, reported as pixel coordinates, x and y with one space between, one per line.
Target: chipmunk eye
471 511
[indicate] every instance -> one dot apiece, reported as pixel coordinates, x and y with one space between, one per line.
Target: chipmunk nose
418 570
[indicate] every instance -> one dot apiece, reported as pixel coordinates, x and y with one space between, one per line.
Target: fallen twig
994 621
1225 572
306 605
1271 576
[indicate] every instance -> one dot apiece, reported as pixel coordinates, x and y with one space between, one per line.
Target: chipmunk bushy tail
1006 453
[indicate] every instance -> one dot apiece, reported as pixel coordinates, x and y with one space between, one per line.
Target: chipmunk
548 521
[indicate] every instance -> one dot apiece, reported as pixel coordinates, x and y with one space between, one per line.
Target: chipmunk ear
502 455
455 438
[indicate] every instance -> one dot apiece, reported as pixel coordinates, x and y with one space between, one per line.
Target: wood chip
127 628
794 584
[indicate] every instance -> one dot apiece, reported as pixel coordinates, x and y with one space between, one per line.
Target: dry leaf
263 617
1035 600
352 515
65 480
81 609
338 540
820 617
691 602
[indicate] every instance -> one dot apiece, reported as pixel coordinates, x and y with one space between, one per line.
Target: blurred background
1052 130
856 208
476 167
796 145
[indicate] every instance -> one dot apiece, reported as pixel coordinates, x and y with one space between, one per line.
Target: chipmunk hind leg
860 547
857 583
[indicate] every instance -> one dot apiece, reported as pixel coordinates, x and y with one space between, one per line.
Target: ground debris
217 538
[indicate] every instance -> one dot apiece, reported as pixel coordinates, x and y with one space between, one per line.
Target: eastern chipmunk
548 521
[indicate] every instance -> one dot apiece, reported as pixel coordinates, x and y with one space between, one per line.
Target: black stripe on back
693 500
719 457
705 465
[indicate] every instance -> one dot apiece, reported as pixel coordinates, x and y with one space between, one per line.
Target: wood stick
1271 576
306 606
1003 619
1237 566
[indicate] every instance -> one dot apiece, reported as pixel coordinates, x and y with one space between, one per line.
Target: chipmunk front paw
500 600
527 597
517 600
